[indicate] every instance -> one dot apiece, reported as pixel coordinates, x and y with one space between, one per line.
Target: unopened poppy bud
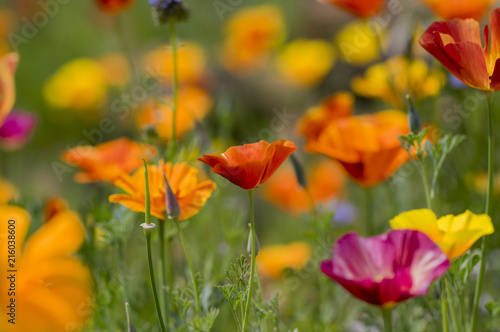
166 11
249 244
130 325
413 118
173 208
299 171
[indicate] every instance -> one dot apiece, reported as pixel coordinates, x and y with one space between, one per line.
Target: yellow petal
423 220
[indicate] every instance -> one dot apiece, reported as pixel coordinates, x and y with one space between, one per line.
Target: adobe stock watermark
224 7
30 27
120 107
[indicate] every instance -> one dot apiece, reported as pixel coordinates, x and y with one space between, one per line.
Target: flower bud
249 244
166 11
299 171
413 118
130 325
173 208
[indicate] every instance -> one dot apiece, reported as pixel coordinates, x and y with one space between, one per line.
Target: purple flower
16 129
386 269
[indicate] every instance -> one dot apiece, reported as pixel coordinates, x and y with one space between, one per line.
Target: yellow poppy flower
305 62
397 77
53 289
454 234
358 45
7 191
273 260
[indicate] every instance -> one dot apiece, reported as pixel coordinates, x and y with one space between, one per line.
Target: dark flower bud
299 171
173 208
249 244
166 11
413 118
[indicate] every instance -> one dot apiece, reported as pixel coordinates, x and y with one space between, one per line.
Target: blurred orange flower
318 117
366 146
7 191
182 178
115 68
105 161
361 8
251 34
114 6
250 165
324 184
191 62
450 9
8 22
54 289
273 260
8 66
193 105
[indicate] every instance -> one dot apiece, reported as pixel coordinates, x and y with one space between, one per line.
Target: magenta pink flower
16 129
386 269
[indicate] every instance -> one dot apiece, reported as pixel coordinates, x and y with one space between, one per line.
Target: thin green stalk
451 301
122 34
386 314
489 205
370 227
121 269
428 198
175 86
188 258
444 307
147 233
162 265
252 268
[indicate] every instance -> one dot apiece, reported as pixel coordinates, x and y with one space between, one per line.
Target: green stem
489 206
370 227
451 301
386 314
444 307
426 185
162 264
175 87
188 258
252 268
147 233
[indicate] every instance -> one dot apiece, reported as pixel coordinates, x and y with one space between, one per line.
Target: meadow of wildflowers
227 165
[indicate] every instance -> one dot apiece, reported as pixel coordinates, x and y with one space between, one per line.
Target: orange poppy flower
105 161
114 6
193 105
361 8
366 146
273 260
8 65
324 184
182 178
318 117
53 288
457 45
249 165
450 9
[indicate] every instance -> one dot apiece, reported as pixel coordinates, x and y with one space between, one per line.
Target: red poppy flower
361 8
457 45
114 6
249 165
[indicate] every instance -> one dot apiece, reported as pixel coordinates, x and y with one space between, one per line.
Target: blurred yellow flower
115 68
78 85
53 288
191 62
480 182
7 191
273 260
358 45
454 234
193 105
392 80
305 62
7 24
251 34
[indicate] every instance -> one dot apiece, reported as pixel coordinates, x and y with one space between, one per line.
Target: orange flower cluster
183 180
107 161
366 146
450 9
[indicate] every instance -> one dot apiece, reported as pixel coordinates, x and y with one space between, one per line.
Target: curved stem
153 283
175 87
386 314
191 270
252 268
489 206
